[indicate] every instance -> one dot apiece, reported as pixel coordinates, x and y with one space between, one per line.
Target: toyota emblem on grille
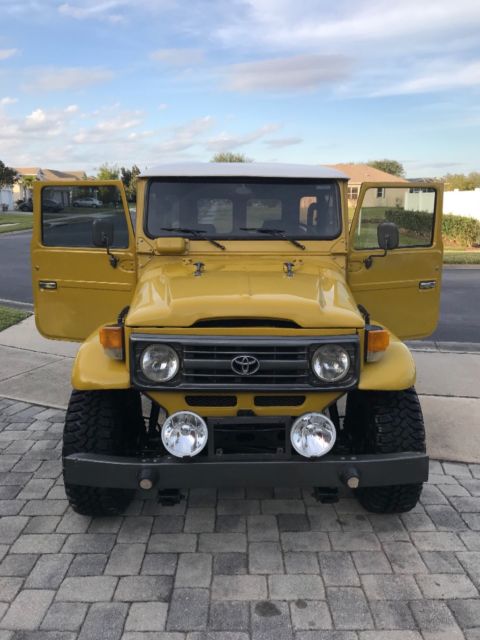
245 365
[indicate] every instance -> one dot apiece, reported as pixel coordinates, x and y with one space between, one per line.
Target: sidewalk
36 370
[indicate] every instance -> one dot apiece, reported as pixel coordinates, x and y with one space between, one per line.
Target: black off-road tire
387 422
100 422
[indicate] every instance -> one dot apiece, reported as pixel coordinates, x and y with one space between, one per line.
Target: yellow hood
170 295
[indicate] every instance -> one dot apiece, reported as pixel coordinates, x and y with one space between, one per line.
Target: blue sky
148 81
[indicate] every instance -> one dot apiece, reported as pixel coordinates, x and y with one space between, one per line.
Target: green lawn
15 222
10 316
461 257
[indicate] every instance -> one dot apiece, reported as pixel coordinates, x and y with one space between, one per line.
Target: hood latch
199 268
288 269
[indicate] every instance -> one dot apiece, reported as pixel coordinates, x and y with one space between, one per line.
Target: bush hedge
418 222
460 229
457 229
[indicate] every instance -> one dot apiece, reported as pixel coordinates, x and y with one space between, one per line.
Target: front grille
280 363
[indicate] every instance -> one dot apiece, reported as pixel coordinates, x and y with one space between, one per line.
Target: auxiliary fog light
313 435
184 434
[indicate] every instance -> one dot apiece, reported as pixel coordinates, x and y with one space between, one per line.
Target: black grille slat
279 401
211 401
191 363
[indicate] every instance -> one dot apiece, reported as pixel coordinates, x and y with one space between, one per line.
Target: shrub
419 222
455 229
460 229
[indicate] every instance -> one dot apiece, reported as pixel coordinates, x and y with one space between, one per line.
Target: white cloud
186 136
7 100
228 142
178 57
72 108
284 74
438 77
7 53
66 78
93 10
280 23
278 143
36 118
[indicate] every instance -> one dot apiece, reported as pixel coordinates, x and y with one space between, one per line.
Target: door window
412 210
68 212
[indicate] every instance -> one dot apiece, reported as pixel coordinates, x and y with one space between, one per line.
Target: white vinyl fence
462 203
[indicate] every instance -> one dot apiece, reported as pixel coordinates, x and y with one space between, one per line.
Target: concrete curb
15 304
461 266
444 347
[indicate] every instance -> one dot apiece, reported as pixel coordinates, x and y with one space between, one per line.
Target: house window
353 193
380 192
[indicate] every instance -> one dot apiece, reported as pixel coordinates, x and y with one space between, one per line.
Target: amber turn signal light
377 343
111 339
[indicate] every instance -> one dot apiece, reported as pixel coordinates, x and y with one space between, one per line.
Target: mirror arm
111 258
369 261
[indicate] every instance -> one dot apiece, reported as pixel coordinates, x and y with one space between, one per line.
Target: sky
86 82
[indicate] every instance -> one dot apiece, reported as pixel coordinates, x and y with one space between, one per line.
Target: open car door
77 284
400 288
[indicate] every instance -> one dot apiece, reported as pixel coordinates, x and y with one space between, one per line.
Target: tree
27 185
228 156
7 175
464 182
107 172
389 166
129 178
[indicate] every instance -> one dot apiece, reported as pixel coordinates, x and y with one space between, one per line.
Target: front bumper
100 470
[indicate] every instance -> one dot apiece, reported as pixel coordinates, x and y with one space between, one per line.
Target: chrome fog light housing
184 434
331 363
159 362
313 435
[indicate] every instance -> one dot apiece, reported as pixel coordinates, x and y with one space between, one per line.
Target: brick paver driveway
229 565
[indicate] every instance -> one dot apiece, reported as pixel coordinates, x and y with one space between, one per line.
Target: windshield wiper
196 233
280 233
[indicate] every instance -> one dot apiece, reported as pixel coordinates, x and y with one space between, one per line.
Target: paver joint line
230 564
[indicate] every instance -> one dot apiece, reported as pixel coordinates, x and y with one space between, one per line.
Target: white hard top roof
242 170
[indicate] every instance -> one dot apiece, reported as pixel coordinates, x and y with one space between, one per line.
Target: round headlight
184 434
313 435
159 363
331 363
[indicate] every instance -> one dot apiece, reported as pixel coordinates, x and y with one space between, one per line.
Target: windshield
239 209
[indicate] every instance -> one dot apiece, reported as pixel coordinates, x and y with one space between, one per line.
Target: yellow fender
94 370
394 372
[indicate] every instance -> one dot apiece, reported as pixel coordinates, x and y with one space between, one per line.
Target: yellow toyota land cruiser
241 331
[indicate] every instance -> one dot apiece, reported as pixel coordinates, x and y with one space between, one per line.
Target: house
6 198
359 173
22 189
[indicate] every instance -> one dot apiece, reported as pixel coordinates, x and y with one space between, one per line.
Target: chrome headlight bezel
342 358
171 359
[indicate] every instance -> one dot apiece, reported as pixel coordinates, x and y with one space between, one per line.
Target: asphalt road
459 315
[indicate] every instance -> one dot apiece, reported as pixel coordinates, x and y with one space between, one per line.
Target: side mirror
102 233
388 236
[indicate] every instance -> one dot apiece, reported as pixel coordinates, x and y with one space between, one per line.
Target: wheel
75 204
390 422
100 422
